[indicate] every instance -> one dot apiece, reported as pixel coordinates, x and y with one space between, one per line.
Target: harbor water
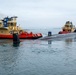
38 57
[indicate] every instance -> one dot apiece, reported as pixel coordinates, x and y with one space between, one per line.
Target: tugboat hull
29 36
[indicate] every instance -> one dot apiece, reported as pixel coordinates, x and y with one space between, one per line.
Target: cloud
44 13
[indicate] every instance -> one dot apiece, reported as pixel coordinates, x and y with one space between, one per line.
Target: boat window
67 25
11 24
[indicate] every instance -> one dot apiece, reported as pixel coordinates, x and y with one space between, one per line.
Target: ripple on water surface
35 57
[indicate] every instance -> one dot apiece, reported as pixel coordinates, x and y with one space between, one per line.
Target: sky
43 14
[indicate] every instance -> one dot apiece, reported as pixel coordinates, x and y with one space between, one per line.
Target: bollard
16 39
49 33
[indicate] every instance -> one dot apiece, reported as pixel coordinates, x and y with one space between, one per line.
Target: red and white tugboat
8 26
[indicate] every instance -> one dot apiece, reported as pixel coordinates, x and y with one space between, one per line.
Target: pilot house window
11 24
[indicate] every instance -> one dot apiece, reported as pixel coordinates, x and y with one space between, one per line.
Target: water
36 57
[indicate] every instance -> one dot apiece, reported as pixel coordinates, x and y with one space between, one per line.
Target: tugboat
68 28
68 32
8 26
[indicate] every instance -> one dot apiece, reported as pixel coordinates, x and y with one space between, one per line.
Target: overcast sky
40 13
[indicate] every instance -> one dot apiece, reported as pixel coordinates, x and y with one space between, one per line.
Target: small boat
8 26
68 28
